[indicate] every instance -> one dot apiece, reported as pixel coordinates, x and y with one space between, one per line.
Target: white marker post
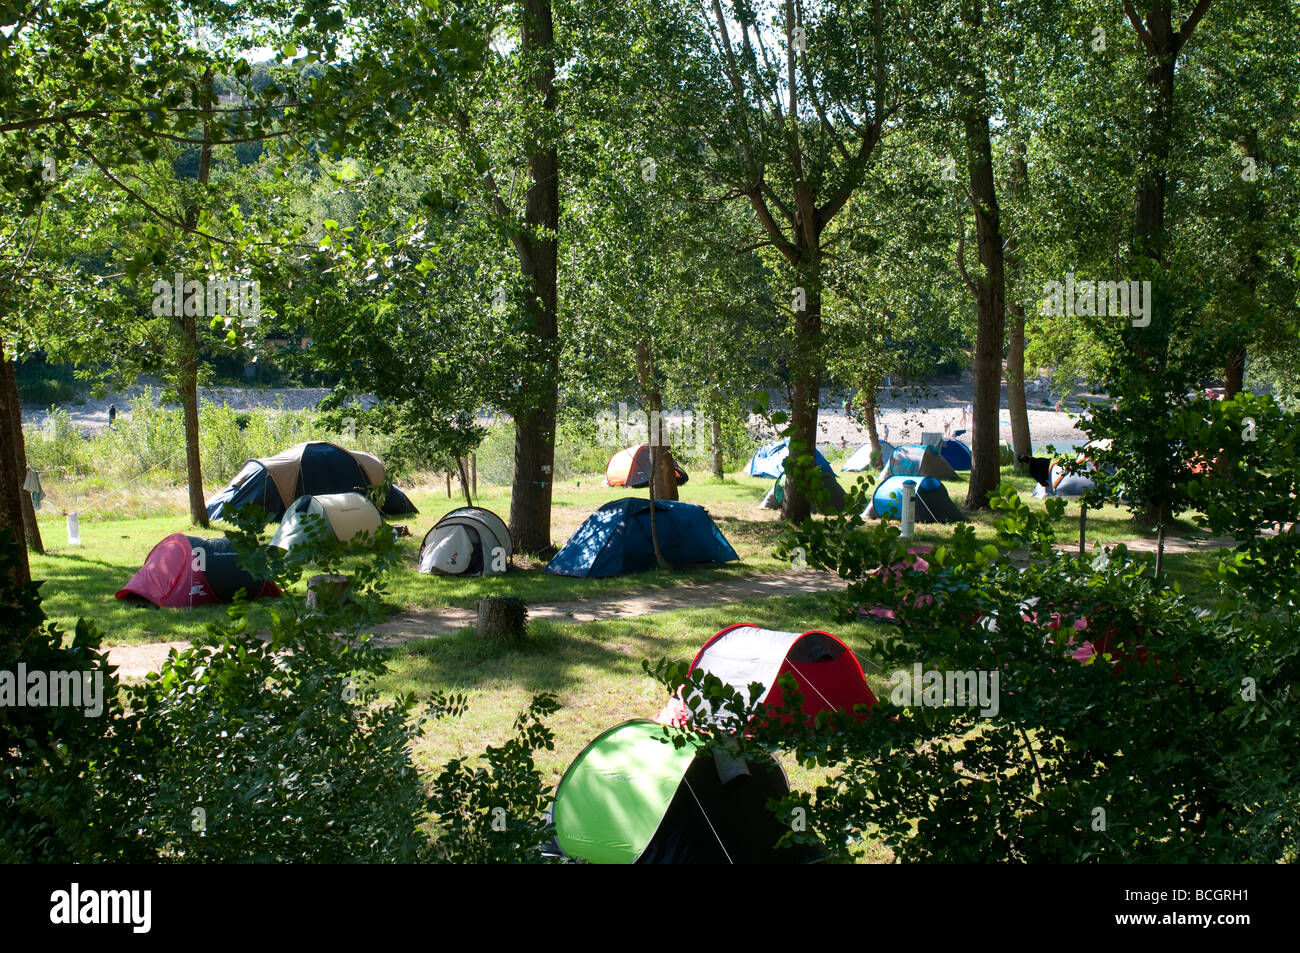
74 530
907 518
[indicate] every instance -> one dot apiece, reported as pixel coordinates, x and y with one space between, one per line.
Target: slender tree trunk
188 382
11 480
530 497
1021 440
464 480
986 468
867 399
9 381
1162 43
806 377
716 426
717 448
1234 374
662 477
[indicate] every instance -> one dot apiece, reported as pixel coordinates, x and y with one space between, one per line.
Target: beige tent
345 515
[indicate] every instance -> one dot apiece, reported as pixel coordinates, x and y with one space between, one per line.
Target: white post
74 530
907 516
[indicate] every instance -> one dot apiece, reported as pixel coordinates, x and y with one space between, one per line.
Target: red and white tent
825 670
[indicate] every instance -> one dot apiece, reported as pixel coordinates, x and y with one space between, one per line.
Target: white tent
345 515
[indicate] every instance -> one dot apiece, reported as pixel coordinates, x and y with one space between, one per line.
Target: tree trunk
1162 44
11 480
805 372
717 443
1021 440
188 383
986 468
867 398
654 523
464 480
13 403
1234 374
530 497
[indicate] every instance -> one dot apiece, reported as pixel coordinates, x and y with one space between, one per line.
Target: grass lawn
595 671
81 581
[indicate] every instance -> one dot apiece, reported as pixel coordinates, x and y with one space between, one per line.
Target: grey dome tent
467 541
343 516
918 461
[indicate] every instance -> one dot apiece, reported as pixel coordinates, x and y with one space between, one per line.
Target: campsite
667 432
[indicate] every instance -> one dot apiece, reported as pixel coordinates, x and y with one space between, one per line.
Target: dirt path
136 661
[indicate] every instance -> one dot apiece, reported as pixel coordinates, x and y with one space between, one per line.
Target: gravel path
136 661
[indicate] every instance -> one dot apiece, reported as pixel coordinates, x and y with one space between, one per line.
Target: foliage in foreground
244 750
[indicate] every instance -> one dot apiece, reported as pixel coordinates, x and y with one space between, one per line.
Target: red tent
186 571
825 670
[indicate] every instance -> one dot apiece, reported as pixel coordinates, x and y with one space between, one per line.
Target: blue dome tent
616 539
769 459
956 453
933 505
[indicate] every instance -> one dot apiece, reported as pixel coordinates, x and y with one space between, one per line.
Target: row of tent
926 465
186 571
651 792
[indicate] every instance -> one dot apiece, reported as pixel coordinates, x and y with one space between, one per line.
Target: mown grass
595 671
81 581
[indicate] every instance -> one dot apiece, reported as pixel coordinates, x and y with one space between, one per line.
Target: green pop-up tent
633 797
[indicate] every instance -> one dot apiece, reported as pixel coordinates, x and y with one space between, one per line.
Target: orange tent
631 467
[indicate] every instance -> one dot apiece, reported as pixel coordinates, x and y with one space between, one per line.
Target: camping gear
633 797
186 571
344 516
956 453
825 670
916 461
860 459
616 539
933 505
631 468
768 461
469 541
308 469
834 494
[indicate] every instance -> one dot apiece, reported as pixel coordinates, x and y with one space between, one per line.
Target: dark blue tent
768 461
616 539
956 453
308 469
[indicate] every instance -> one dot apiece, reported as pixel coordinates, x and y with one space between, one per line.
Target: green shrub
58 447
244 750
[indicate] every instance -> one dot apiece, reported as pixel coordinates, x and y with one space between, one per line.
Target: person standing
112 415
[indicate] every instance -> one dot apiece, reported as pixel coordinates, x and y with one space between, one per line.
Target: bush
245 750
58 446
1161 731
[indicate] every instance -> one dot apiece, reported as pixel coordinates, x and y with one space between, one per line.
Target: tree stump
502 619
326 589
